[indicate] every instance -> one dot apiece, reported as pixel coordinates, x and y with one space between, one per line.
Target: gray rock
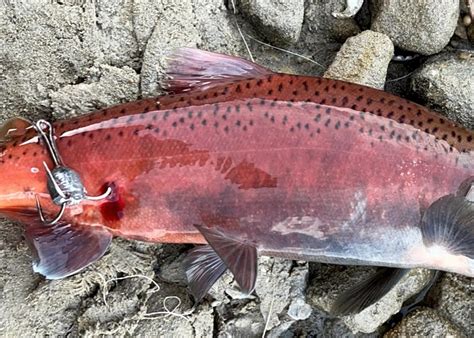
330 281
281 283
321 26
424 322
455 301
363 59
279 21
106 86
278 300
446 84
352 7
424 27
41 51
112 32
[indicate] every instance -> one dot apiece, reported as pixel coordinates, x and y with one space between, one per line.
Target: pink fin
190 69
203 268
64 249
240 257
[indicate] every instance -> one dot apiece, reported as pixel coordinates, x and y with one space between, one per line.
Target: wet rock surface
424 27
64 58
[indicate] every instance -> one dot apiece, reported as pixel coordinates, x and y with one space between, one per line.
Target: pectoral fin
367 292
65 248
204 267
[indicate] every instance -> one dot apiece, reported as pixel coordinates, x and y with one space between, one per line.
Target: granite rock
424 322
423 27
363 59
280 21
446 84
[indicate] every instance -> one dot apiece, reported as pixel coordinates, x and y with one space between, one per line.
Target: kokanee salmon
252 162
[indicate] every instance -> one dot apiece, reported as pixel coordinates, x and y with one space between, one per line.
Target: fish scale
256 162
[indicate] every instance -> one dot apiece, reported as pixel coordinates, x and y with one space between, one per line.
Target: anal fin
367 292
64 248
203 268
240 257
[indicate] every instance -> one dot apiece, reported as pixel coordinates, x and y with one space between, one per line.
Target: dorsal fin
192 69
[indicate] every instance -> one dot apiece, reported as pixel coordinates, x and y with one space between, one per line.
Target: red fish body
298 167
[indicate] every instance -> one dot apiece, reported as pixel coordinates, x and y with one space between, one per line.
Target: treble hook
64 184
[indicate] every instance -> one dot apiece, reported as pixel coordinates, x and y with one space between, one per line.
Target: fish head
22 173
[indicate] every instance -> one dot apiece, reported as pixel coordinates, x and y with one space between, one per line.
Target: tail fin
449 222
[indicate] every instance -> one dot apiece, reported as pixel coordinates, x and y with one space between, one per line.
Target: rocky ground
64 58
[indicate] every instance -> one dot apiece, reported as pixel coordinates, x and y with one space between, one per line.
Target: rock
453 299
41 51
281 283
424 27
331 281
279 297
363 59
105 86
279 21
424 322
352 7
112 32
299 310
321 26
470 32
446 84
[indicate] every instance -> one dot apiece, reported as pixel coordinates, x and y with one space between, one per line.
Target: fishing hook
64 185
